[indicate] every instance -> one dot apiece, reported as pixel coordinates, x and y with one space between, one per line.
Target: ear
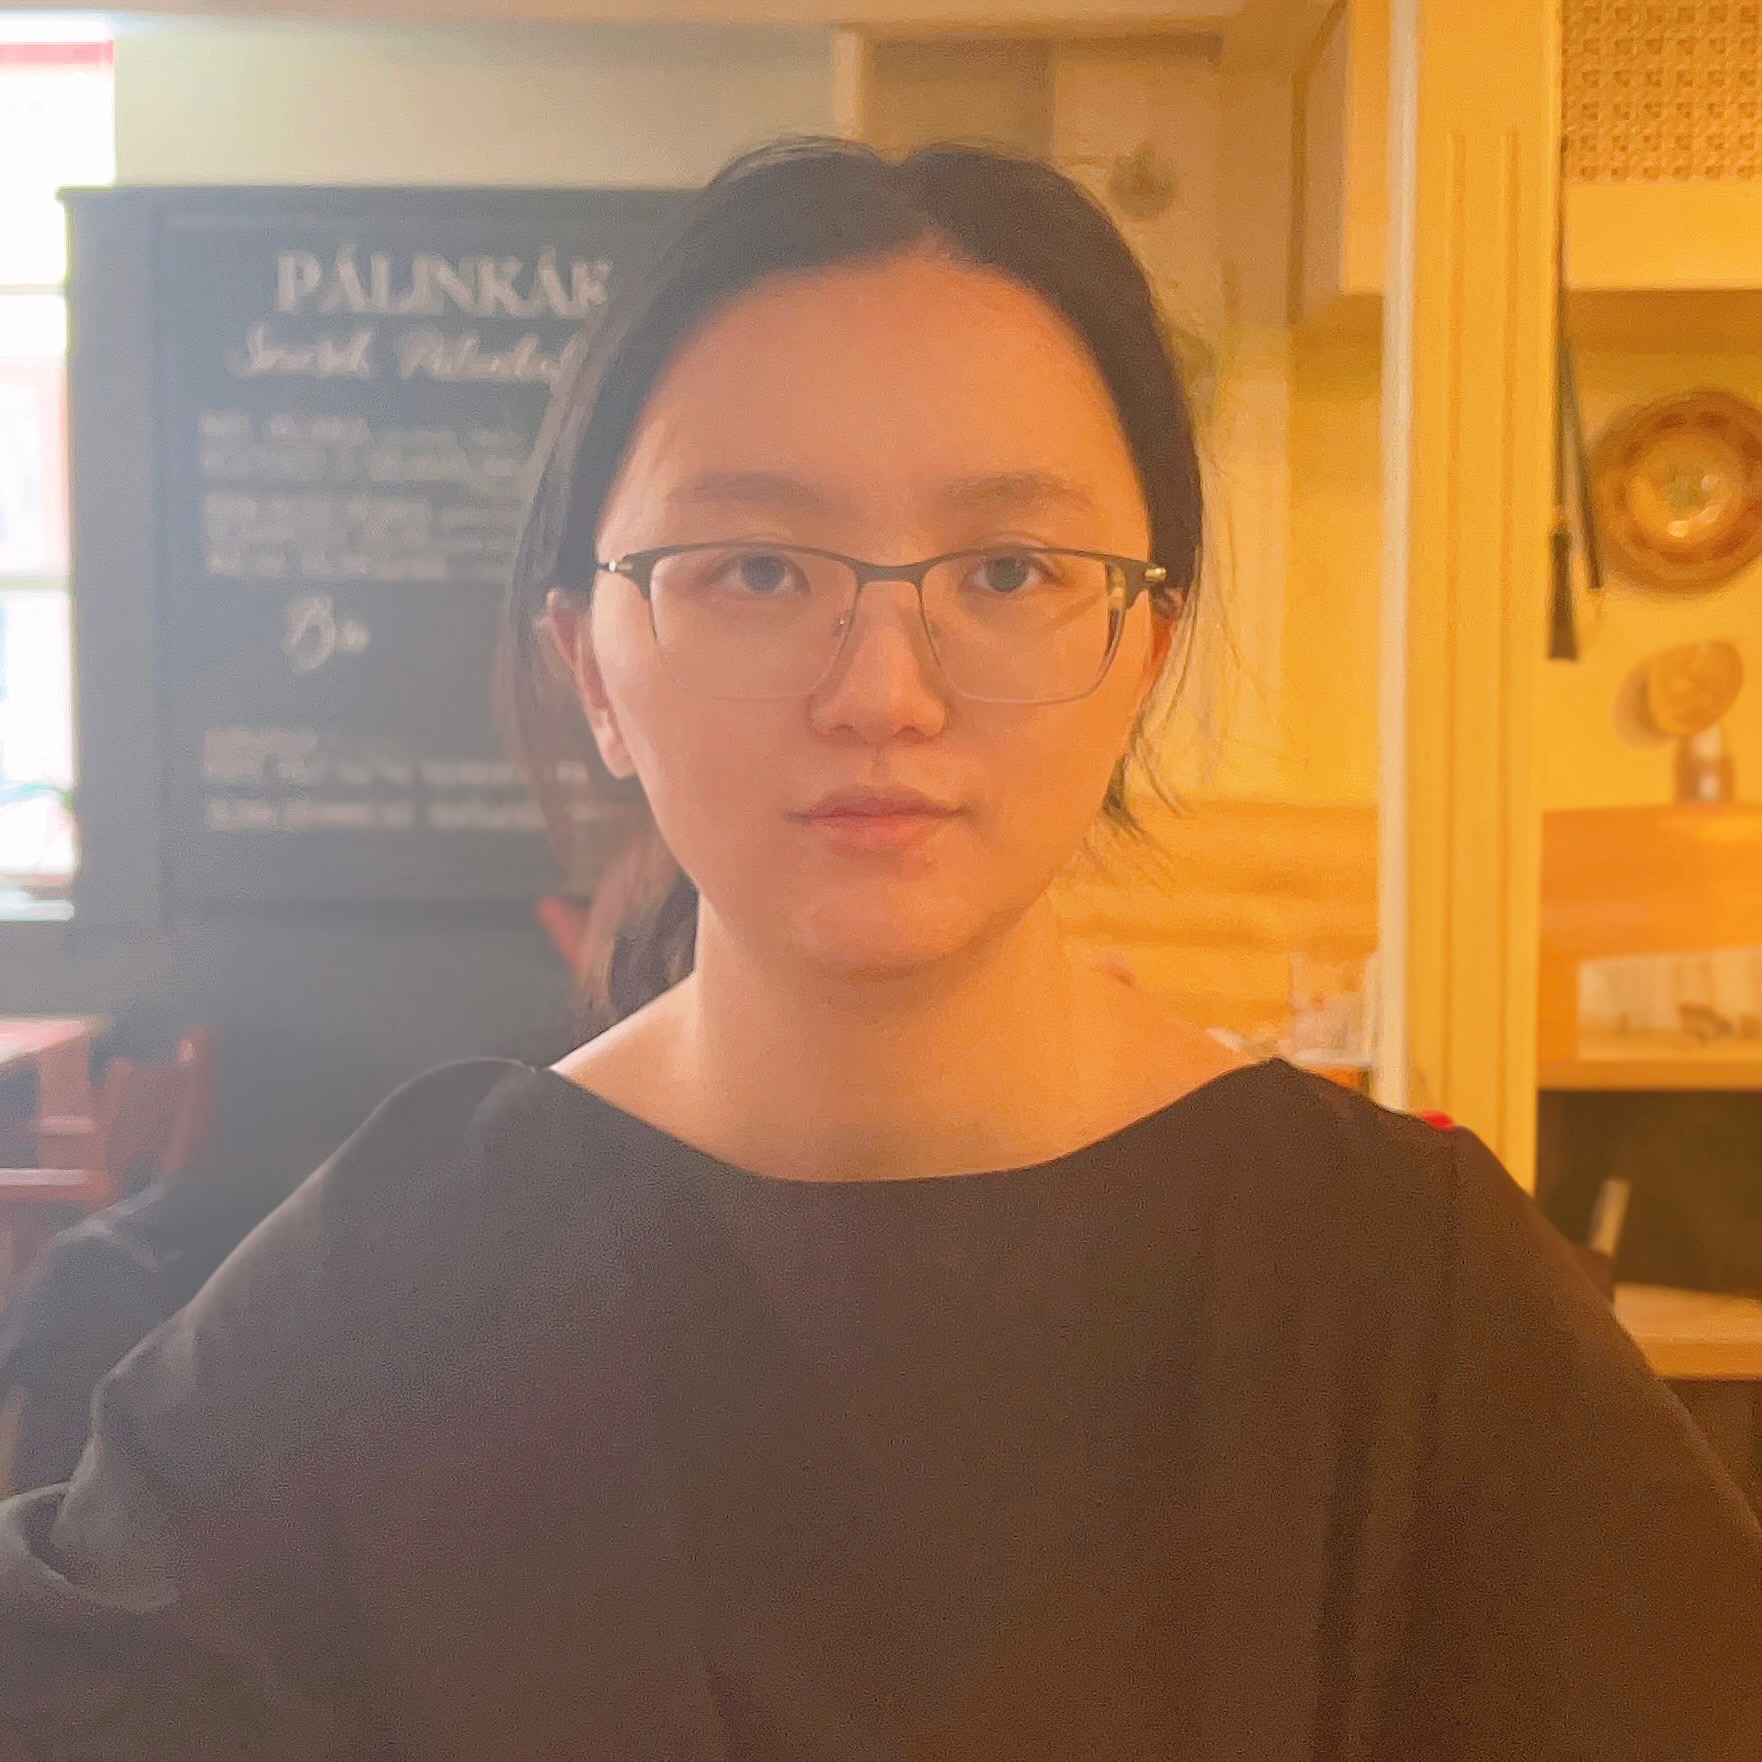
568 621
1162 637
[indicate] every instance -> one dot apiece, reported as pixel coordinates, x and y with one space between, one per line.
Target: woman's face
893 412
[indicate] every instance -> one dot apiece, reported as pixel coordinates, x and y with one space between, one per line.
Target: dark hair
797 206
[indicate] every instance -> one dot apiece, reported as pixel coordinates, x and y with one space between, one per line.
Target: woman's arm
170 1602
1589 1580
180 1599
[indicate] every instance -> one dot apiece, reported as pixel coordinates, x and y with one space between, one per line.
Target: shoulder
1370 1264
476 1164
443 1215
1277 1136
427 1134
1312 1154
1397 1213
456 1181
1377 1224
1444 1189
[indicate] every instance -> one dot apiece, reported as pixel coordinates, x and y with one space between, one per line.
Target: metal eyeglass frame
638 567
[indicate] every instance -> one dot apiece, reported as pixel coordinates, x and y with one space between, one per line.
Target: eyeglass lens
1022 626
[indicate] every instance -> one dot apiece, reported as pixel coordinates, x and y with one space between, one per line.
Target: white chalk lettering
329 357
298 274
428 353
429 284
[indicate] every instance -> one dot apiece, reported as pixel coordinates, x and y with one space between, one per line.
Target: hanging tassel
1562 626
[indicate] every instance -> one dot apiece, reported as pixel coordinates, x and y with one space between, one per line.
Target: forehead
887 388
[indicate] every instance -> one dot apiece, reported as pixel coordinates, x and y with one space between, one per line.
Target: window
55 130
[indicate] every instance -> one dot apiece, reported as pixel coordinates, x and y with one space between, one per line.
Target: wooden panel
1605 1063
1665 235
1321 167
1669 321
1341 161
1209 912
1473 348
1640 880
1364 244
1655 91
947 89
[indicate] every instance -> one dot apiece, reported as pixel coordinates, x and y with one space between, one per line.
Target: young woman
892 1339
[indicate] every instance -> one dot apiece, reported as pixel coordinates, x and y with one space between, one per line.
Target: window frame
24 890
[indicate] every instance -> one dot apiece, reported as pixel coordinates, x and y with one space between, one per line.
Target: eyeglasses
1008 625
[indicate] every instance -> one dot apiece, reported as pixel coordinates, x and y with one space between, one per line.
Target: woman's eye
760 572
1009 574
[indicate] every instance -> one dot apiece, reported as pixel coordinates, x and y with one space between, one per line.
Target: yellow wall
217 101
1590 756
1331 638
1588 760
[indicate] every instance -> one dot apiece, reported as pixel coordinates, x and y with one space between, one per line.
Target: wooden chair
145 1119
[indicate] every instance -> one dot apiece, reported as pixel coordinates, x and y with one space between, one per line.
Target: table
1708 1346
59 1050
1694 1336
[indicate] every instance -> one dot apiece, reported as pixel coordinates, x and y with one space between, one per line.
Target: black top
1271 1428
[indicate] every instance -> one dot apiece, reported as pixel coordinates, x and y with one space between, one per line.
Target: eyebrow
1018 489
771 490
775 490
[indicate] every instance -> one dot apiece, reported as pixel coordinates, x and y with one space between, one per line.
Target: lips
877 804
870 824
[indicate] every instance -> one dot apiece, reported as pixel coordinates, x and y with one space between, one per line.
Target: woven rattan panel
1663 91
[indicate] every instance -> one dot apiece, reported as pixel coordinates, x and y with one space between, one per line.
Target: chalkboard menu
348 386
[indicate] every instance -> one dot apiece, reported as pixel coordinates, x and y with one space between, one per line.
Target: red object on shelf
1442 1121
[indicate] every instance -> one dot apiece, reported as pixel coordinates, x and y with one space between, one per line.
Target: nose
885 680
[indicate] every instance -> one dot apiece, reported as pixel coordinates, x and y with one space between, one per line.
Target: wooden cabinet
1663 127
1644 880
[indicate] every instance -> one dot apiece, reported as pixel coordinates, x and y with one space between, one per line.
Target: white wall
218 101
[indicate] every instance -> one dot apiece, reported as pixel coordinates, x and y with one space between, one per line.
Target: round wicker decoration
1689 688
1678 490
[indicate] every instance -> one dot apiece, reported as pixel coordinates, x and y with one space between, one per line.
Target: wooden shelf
1670 879
1640 1062
1670 321
1694 1336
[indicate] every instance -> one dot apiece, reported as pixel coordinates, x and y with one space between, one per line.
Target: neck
978 1062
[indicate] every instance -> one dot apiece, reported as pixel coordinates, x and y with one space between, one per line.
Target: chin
885 939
